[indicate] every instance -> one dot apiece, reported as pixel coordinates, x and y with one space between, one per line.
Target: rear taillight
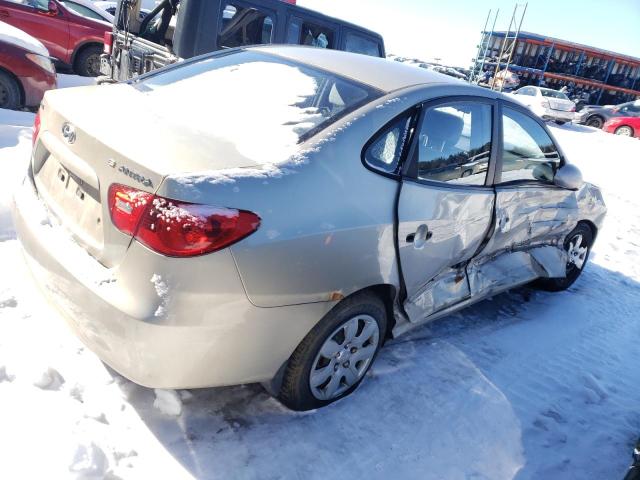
36 128
108 42
573 109
177 229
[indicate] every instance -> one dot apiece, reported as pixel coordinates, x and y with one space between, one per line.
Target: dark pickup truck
181 29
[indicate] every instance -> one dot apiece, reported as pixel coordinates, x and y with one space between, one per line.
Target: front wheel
334 357
578 246
9 92
87 63
560 122
595 122
625 131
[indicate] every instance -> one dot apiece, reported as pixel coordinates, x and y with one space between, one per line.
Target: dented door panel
455 221
527 241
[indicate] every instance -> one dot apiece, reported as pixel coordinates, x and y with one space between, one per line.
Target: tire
87 63
574 269
342 375
560 122
624 130
10 97
595 122
466 173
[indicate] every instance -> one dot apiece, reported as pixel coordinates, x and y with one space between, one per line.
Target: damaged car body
360 199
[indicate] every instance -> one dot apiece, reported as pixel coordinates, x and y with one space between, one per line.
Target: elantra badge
69 132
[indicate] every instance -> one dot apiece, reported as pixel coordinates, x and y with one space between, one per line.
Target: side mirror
569 176
52 8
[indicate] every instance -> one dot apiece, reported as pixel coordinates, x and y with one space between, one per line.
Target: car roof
377 72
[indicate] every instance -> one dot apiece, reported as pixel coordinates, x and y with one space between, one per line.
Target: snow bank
168 402
17 37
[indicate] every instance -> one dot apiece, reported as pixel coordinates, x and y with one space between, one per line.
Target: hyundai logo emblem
69 132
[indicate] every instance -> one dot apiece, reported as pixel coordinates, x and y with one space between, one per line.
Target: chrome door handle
421 236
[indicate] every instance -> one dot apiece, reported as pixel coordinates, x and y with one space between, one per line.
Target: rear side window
455 143
82 10
358 44
244 26
529 153
383 154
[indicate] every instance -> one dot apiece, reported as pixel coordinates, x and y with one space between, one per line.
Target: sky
450 29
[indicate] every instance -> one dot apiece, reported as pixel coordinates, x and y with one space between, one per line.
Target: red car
71 39
26 71
627 126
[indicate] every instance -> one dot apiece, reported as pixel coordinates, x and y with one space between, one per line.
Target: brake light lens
108 42
36 129
177 229
573 109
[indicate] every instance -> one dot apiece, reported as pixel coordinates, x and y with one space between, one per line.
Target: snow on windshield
263 108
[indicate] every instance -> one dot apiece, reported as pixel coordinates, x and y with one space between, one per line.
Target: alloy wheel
577 251
344 357
624 131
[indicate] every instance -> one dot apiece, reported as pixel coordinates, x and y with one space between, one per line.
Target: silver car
274 214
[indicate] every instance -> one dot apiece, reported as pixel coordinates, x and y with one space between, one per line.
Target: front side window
455 143
316 36
244 26
384 152
82 10
251 103
359 44
529 153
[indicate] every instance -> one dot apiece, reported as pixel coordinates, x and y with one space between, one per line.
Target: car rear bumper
560 115
153 319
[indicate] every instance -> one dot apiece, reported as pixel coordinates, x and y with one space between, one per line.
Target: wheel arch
82 46
633 130
23 96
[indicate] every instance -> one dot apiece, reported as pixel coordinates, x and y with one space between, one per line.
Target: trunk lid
561 104
90 138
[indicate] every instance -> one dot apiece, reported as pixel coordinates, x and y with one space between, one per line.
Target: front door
446 203
33 17
532 214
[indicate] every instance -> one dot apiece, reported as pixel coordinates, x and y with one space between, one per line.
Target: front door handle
421 236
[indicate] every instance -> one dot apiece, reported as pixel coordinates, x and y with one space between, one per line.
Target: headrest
442 126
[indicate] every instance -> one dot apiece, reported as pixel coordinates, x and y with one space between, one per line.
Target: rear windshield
553 94
249 97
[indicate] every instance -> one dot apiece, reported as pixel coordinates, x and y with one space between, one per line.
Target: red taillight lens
573 109
177 229
108 42
127 205
36 128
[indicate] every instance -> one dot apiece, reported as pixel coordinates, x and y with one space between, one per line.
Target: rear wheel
625 131
87 62
334 357
560 122
9 92
578 246
595 122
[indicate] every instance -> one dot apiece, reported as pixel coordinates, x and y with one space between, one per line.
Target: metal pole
515 39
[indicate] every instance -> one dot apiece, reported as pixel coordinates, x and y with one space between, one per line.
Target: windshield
553 94
256 101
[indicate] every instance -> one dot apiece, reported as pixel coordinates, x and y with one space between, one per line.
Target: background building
605 77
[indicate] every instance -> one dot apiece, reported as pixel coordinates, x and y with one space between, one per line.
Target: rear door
446 202
245 23
33 17
532 214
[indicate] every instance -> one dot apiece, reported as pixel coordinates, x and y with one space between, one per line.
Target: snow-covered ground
528 385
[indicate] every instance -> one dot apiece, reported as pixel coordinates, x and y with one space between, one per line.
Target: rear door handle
421 236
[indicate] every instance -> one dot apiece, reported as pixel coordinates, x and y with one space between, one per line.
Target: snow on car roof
376 72
17 37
